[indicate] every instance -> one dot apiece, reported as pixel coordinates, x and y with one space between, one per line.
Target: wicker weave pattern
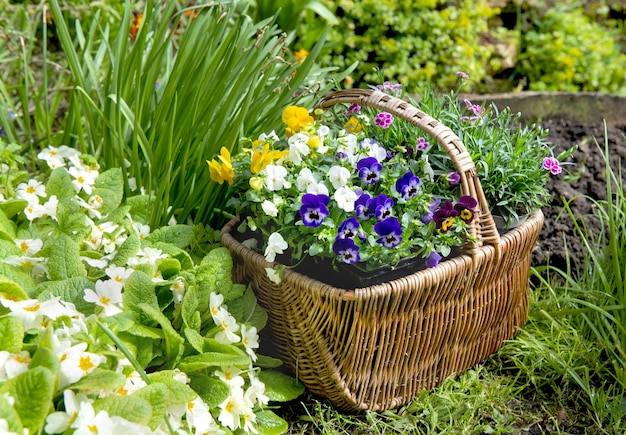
376 348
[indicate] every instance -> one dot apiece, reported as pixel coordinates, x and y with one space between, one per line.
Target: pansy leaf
11 334
268 423
174 343
139 289
279 386
9 289
64 258
177 235
32 392
132 407
60 184
70 290
212 391
100 380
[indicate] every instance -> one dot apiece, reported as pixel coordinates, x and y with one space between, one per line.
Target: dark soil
584 184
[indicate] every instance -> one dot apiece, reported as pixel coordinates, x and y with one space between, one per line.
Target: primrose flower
296 118
408 185
250 340
76 363
346 250
84 179
108 295
29 246
313 209
223 171
33 312
31 191
383 120
369 170
390 232
52 157
13 364
552 165
118 274
275 245
228 326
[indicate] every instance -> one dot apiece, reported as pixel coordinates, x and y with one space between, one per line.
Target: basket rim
483 227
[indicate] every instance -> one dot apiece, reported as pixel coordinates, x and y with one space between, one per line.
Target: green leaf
157 395
177 235
267 362
7 226
143 349
195 339
13 207
139 289
100 379
60 184
111 184
214 275
9 289
132 408
212 391
174 343
139 206
32 391
169 267
70 290
8 248
212 345
189 309
177 391
18 275
247 310
128 249
64 259
9 414
72 220
45 357
268 423
175 252
212 359
11 334
279 386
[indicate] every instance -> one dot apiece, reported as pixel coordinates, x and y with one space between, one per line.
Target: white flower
134 382
50 208
33 313
13 364
199 417
228 326
146 256
297 148
274 275
35 265
34 211
231 376
270 137
108 295
275 245
305 179
215 303
318 189
68 152
142 230
275 177
31 191
345 198
232 409
346 144
4 428
76 363
269 208
256 391
250 340
118 274
29 246
92 206
94 262
52 157
178 289
338 176
60 421
84 179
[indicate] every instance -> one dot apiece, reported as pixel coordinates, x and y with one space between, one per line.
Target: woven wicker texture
376 348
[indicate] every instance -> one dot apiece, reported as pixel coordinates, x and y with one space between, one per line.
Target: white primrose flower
76 363
13 364
49 208
142 230
83 179
4 428
118 274
146 256
92 206
275 177
256 391
35 314
68 153
31 191
345 198
133 382
36 266
232 409
60 421
29 246
108 295
338 176
178 289
95 262
228 328
34 211
231 376
52 157
199 418
250 340
275 245
215 303
269 208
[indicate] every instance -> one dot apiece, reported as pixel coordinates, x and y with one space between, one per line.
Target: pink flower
383 120
551 164
462 75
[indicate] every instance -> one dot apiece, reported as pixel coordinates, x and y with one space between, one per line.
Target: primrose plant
122 328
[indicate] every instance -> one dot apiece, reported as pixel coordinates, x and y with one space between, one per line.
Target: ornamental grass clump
353 185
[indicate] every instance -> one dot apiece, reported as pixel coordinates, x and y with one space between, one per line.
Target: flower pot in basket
375 345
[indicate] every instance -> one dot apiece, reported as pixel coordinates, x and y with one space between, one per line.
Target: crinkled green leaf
72 219
212 359
100 380
189 308
157 395
8 247
212 345
169 267
9 414
268 423
132 407
128 249
13 207
177 235
64 258
175 252
139 289
9 289
45 357
177 391
7 226
70 290
195 339
11 334
143 349
246 309
118 215
214 275
174 343
18 275
60 184
212 390
32 391
139 206
110 186
279 386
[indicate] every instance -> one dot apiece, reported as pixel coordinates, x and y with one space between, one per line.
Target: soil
584 184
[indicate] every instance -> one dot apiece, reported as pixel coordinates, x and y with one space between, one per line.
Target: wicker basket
376 348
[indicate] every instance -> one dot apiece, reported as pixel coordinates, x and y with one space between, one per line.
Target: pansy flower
408 185
350 229
346 250
433 259
313 209
382 206
369 170
444 217
362 207
465 206
389 231
428 216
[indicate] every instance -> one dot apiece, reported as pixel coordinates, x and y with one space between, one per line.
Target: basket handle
483 227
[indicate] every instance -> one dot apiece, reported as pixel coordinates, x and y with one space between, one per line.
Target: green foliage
566 51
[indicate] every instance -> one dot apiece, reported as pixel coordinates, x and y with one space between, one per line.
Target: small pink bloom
551 164
383 120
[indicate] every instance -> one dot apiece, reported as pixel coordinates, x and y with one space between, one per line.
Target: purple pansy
346 250
383 120
389 231
465 207
352 109
433 259
453 178
349 229
361 207
369 170
313 209
428 216
444 217
382 206
408 185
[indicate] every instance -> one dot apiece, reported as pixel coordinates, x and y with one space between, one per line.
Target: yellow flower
300 55
256 183
221 172
260 159
314 142
353 125
296 117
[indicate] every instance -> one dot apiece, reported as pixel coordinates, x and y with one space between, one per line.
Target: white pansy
298 148
276 177
305 179
318 189
275 245
345 198
269 208
338 176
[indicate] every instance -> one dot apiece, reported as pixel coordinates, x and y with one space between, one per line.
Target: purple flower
352 109
422 144
453 178
552 165
361 207
313 209
462 75
369 170
465 206
408 185
390 88
476 109
389 231
346 250
382 206
383 120
444 217
433 259
428 216
349 229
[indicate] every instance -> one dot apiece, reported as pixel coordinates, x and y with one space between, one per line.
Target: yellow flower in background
300 55
353 125
296 118
260 159
256 183
223 171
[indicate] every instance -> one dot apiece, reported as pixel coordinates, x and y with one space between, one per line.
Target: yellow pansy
314 142
300 55
223 171
260 159
353 125
256 183
296 117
